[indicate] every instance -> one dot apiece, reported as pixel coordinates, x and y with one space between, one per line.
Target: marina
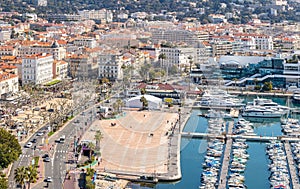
234 164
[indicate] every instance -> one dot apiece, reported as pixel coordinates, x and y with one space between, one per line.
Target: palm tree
162 57
98 138
120 104
190 62
20 176
32 174
91 147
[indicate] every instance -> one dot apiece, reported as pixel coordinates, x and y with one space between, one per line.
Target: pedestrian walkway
226 159
292 168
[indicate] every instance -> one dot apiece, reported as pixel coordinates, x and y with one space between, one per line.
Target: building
177 55
5 36
60 69
8 50
85 42
8 84
35 47
174 35
104 15
110 63
263 42
82 66
37 69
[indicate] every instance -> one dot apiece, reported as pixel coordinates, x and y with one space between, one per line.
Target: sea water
193 152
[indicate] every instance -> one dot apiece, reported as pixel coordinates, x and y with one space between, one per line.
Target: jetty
226 159
256 138
292 168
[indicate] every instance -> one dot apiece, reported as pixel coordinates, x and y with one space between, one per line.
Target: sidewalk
71 182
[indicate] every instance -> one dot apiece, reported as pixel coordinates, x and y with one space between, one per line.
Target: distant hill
242 10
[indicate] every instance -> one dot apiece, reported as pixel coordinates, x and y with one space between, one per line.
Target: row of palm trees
26 175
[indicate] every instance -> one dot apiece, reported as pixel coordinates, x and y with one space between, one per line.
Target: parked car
45 156
47 159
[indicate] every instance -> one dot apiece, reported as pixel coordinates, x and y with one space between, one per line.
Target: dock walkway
226 158
247 137
292 168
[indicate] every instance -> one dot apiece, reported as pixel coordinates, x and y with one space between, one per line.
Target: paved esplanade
291 164
226 158
137 142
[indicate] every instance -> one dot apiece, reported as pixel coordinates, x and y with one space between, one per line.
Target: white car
40 134
28 145
48 179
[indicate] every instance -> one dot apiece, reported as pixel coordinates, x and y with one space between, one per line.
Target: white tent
153 102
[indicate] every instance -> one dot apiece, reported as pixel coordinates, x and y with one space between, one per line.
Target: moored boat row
279 178
238 164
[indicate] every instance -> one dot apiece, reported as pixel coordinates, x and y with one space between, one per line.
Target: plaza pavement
138 143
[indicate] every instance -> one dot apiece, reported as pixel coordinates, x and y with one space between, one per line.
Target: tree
91 147
98 138
162 57
268 86
3 182
10 149
145 102
21 176
144 71
32 174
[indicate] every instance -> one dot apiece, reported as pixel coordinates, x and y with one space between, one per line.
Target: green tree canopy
3 182
10 149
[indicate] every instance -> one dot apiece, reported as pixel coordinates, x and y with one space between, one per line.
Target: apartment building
81 66
5 36
264 42
178 55
104 15
37 69
174 35
85 42
8 50
8 84
35 47
60 69
110 63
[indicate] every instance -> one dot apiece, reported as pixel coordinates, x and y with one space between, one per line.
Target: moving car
28 145
48 179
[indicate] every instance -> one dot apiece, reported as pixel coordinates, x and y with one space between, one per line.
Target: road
27 155
58 152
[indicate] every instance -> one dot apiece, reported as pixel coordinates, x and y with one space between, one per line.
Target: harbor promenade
226 159
292 168
252 93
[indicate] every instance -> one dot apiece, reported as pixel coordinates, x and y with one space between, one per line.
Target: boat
261 112
296 97
217 114
264 108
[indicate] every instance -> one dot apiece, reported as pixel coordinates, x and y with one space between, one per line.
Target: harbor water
193 152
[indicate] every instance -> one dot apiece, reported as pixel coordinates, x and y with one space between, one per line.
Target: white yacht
264 108
268 104
261 112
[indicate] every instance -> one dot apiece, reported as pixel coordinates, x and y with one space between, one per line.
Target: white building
264 42
8 84
178 56
153 102
110 64
86 42
106 16
5 36
37 69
